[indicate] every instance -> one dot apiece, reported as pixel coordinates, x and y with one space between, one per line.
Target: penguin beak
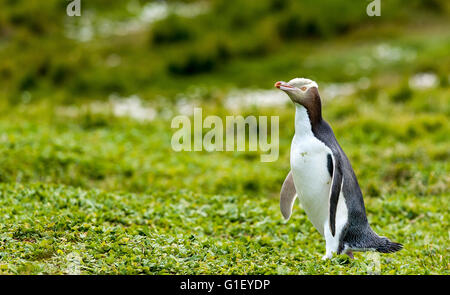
284 86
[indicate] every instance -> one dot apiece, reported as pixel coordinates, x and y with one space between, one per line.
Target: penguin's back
356 233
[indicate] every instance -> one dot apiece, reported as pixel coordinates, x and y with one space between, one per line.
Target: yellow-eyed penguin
323 179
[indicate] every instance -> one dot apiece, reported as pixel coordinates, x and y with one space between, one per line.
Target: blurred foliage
159 55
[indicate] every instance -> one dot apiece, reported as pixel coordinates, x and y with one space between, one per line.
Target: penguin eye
303 88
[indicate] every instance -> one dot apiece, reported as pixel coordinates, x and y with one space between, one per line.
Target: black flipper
335 191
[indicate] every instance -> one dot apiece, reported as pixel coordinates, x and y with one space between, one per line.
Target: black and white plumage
323 179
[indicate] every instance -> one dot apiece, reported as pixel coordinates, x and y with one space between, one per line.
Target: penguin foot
350 254
327 256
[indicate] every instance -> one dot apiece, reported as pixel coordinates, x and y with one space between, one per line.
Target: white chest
309 160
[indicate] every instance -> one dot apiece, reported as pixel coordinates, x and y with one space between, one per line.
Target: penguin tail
386 246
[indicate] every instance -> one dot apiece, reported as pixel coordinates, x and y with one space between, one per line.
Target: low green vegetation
83 190
59 229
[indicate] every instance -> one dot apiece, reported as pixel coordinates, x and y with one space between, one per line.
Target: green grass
59 229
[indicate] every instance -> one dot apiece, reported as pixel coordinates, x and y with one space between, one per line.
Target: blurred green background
90 184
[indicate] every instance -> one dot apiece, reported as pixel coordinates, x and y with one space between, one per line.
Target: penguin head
300 90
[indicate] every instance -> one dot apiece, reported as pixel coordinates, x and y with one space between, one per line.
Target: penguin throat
305 120
302 121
